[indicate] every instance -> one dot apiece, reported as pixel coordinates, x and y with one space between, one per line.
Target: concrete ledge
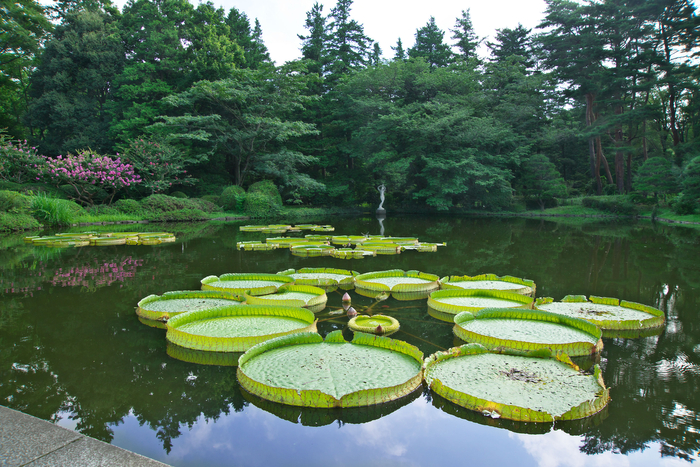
29 441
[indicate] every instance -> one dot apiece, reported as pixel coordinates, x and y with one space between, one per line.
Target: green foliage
540 180
214 199
232 198
18 221
267 188
613 204
159 165
13 202
259 204
691 180
180 215
54 211
127 206
19 162
72 83
177 194
655 176
430 46
162 203
683 205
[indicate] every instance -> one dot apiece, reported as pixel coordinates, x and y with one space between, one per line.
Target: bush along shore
26 209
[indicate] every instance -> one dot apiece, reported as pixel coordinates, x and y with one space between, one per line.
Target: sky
383 20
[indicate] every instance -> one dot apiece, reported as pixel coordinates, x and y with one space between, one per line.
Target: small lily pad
376 324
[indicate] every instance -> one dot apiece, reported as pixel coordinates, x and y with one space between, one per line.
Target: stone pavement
29 441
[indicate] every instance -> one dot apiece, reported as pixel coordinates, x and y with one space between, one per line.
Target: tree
313 44
347 46
158 165
512 42
691 181
242 120
655 176
254 50
376 57
429 46
71 85
467 40
399 52
23 27
540 181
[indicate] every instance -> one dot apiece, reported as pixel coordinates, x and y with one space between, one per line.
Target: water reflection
72 346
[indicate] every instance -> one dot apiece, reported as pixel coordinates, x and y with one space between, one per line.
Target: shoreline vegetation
29 211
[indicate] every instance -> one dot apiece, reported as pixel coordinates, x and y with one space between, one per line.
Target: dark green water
73 351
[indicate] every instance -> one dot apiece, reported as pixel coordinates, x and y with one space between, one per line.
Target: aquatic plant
397 280
457 300
489 282
252 283
162 307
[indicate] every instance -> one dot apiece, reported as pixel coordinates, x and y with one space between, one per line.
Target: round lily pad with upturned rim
528 387
291 295
173 303
310 250
617 318
527 330
489 282
397 280
257 246
306 370
455 301
253 283
321 276
237 328
364 323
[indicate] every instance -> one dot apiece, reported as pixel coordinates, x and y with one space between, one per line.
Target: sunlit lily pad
254 284
292 295
349 253
458 300
311 250
305 370
397 280
489 282
237 328
515 385
528 330
321 276
617 318
285 242
257 246
162 307
376 324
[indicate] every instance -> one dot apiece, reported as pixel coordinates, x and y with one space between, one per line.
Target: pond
73 351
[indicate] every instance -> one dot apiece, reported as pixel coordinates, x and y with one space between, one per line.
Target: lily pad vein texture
182 301
321 276
489 282
306 370
455 301
237 328
397 280
252 283
291 295
528 387
528 330
605 312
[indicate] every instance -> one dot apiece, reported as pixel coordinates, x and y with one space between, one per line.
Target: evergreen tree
71 84
251 41
376 57
540 181
399 52
430 46
512 42
467 40
313 44
347 46
655 176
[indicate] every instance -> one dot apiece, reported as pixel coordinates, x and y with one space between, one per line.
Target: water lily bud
346 305
352 312
346 297
379 329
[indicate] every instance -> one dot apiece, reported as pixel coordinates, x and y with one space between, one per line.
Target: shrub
181 215
178 194
164 203
204 205
212 199
232 198
268 188
159 165
128 206
683 205
259 204
21 221
613 204
18 161
11 201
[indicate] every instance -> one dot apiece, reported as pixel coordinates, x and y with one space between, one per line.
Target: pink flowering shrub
18 161
86 172
160 166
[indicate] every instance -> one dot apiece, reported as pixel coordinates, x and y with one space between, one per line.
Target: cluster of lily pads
516 363
337 246
65 240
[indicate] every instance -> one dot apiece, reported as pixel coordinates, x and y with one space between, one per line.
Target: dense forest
602 98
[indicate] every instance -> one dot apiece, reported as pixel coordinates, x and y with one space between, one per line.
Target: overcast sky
384 20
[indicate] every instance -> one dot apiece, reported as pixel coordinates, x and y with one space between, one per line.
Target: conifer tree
463 33
430 46
399 52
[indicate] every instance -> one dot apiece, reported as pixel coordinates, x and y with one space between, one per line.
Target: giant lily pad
322 276
528 330
237 328
254 284
376 324
292 295
162 307
617 318
397 280
489 282
529 387
202 357
311 250
458 300
305 370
